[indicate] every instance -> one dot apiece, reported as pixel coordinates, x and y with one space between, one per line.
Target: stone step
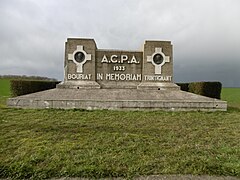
118 99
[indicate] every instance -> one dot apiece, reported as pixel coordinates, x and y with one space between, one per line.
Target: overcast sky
205 34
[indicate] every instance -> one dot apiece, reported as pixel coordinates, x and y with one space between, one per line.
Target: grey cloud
205 34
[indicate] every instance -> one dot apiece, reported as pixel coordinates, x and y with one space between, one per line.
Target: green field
4 87
4 91
77 143
232 96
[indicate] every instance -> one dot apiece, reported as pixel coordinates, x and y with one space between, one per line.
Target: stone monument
115 79
88 67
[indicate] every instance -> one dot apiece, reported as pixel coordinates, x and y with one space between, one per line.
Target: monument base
158 86
118 99
78 85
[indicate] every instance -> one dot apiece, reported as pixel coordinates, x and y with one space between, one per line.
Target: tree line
27 77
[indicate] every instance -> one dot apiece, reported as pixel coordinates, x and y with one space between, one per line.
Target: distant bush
183 86
24 77
22 87
209 89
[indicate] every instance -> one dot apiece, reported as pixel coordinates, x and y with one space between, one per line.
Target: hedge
183 86
209 89
22 87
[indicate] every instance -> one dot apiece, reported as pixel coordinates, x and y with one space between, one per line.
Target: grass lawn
76 143
56 143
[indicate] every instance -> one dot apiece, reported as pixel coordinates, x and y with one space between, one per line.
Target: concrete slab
118 99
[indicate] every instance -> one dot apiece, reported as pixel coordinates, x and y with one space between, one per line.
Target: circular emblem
158 59
79 57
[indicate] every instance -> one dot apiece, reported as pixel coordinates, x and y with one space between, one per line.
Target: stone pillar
80 64
157 71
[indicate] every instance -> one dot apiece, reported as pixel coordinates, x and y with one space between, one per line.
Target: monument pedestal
158 86
79 85
118 99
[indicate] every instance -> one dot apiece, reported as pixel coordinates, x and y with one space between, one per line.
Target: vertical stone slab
119 69
80 64
157 72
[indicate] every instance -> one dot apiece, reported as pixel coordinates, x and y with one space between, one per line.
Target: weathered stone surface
151 68
118 99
